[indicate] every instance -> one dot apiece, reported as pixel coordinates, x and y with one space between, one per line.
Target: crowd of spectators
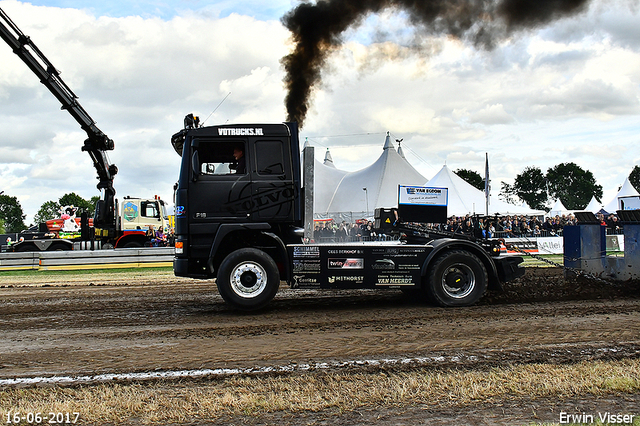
157 238
481 227
613 224
362 230
507 226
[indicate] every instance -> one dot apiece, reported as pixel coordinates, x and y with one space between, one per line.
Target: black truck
245 228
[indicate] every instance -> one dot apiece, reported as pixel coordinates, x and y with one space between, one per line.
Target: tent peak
387 142
328 161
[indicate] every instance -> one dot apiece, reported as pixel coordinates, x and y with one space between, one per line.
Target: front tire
133 244
457 278
248 279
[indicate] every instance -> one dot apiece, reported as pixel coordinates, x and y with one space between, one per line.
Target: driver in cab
240 160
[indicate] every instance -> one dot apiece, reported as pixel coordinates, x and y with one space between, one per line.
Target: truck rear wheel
457 278
248 279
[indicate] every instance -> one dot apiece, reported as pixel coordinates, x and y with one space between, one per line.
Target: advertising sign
347 266
422 204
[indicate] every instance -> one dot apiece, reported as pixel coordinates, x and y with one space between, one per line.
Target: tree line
12 216
568 182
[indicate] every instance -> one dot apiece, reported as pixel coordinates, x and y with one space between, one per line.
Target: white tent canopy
594 206
464 198
339 191
627 190
558 209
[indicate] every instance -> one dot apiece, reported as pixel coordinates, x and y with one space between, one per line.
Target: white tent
627 190
594 206
338 191
341 193
558 209
464 198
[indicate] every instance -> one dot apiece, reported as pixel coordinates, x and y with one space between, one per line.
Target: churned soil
74 325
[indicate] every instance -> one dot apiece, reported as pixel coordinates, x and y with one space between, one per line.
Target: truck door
273 186
217 188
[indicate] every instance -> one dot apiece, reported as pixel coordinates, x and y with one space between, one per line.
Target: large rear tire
457 278
248 279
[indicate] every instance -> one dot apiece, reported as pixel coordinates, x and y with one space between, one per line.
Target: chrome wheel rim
248 280
458 281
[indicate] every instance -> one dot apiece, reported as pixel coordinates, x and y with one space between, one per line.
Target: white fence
86 259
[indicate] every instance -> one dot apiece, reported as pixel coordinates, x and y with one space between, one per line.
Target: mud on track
97 324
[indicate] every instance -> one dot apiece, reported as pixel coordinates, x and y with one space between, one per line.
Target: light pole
366 197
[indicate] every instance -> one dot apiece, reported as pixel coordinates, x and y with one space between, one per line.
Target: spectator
491 231
342 232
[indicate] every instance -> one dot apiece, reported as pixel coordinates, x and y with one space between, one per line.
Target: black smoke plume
317 28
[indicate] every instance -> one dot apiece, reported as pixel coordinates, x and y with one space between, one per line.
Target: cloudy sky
568 92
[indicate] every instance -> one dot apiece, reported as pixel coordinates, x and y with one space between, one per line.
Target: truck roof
240 130
235 131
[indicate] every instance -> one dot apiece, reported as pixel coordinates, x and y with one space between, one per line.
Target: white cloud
492 114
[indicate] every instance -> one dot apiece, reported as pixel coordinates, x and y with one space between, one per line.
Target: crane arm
97 143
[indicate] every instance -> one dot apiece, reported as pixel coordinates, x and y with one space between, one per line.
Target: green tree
572 185
634 178
2 230
73 199
48 210
93 202
471 177
531 186
508 193
11 214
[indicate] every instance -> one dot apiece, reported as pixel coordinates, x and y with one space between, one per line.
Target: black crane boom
97 143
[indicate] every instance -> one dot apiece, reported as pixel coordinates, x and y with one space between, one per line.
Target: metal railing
87 259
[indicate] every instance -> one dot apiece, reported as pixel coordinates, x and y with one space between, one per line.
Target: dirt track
62 327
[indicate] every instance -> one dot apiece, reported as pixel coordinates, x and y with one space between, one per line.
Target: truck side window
149 209
270 157
216 158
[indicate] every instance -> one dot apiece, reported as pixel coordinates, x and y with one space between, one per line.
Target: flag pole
487 186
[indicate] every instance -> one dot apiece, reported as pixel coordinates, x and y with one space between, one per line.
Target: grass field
169 402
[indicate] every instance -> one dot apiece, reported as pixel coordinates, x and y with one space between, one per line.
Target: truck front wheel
248 279
457 278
